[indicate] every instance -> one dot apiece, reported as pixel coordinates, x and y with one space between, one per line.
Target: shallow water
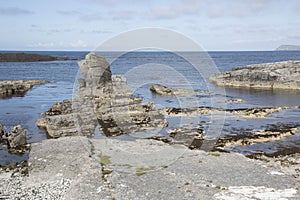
143 69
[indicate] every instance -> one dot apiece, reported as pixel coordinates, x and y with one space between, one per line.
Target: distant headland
24 57
288 48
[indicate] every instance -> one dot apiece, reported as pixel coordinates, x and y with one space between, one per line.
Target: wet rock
103 101
17 168
188 135
16 88
278 75
168 91
241 137
2 132
248 113
253 113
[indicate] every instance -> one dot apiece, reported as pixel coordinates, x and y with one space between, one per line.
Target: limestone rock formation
18 87
168 91
278 75
103 101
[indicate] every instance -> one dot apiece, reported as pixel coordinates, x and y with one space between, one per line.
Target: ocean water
141 70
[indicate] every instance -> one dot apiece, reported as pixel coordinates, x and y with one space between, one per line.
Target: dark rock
278 75
168 91
2 132
22 57
241 137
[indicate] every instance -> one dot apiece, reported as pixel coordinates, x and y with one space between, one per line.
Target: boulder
168 91
17 137
278 75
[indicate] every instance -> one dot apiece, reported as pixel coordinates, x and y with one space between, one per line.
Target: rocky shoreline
75 165
10 88
278 75
25 57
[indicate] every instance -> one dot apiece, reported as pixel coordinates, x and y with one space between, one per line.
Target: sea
187 70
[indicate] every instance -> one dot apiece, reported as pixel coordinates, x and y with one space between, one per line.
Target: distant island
288 48
24 57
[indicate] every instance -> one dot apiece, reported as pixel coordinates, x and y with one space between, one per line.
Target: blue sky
83 24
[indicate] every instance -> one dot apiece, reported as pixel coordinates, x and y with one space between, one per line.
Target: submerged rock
103 101
18 87
278 75
168 91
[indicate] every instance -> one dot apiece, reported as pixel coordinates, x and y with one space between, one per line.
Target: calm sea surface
143 69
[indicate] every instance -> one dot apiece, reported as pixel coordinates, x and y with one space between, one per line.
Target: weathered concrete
278 75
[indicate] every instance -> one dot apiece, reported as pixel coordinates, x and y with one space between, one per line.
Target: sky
216 25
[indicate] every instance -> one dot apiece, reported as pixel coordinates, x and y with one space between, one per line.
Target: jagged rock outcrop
25 57
168 91
18 87
278 75
102 101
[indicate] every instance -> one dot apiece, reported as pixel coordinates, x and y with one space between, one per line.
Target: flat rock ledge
103 104
10 88
277 75
81 168
168 91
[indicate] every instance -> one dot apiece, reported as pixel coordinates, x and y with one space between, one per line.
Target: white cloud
60 45
69 12
92 17
235 8
13 11
176 10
